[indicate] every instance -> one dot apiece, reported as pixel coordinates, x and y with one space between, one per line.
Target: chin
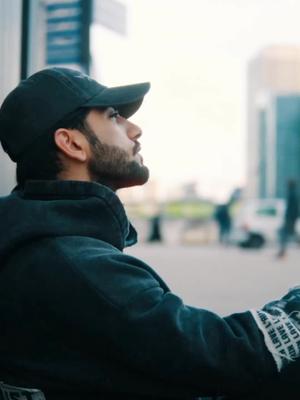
119 173
137 179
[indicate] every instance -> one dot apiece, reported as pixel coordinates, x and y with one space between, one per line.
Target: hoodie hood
63 208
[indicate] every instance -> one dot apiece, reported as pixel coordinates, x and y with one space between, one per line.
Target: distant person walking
223 218
155 229
287 230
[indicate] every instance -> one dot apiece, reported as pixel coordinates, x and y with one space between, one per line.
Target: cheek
114 134
118 138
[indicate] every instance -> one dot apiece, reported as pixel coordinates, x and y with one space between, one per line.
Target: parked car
258 221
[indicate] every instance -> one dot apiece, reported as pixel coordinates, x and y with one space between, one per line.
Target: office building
273 121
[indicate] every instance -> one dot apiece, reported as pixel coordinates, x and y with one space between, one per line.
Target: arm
148 329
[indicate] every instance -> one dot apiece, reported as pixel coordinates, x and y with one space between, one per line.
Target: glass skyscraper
287 128
273 146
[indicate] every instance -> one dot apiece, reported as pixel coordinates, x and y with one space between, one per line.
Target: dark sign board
68 25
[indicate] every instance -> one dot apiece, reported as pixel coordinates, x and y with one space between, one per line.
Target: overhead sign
68 24
112 14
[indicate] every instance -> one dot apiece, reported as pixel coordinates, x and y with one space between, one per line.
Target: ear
72 144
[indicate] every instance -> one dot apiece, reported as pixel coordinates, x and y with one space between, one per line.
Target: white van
258 221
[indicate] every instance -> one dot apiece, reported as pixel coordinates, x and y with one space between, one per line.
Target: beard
112 166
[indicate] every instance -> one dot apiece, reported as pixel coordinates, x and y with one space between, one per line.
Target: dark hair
41 160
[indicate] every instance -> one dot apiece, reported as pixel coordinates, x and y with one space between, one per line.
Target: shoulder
93 265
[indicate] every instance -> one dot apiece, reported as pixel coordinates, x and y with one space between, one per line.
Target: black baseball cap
39 102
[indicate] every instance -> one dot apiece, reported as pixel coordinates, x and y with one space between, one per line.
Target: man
223 218
79 318
291 215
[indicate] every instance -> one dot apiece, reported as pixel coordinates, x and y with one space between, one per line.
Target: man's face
115 159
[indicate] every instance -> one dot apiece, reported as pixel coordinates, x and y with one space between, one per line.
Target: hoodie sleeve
149 329
195 346
279 321
152 331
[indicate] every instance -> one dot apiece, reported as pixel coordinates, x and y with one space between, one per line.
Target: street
224 280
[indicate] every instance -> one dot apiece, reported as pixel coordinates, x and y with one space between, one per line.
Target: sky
195 54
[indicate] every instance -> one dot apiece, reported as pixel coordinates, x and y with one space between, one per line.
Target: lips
136 149
136 153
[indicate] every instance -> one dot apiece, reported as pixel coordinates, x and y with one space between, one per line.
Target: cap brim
126 99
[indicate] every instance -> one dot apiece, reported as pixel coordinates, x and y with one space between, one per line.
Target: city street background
224 280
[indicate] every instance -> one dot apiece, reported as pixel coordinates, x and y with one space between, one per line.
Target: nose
133 131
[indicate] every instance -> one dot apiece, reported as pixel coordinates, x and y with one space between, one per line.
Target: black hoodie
80 319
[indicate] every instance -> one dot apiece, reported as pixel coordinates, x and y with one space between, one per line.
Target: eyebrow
110 109
105 109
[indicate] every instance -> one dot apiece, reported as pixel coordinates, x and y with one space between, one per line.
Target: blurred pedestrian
223 218
287 231
155 229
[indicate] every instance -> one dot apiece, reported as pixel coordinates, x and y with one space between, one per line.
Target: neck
76 173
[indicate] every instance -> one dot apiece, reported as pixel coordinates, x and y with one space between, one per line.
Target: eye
114 114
